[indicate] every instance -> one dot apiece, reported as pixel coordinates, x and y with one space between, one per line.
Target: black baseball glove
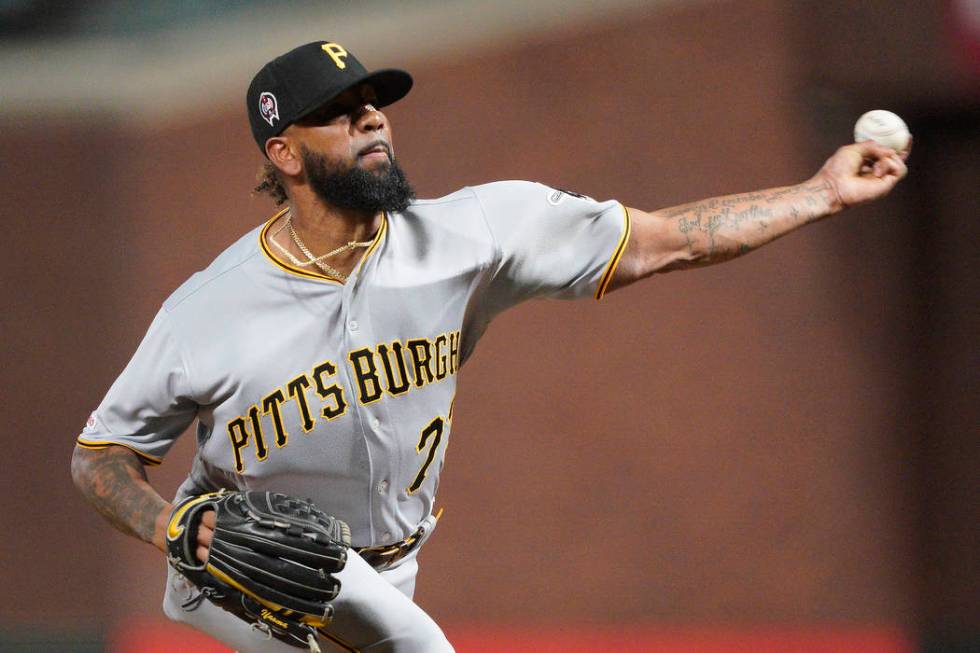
270 561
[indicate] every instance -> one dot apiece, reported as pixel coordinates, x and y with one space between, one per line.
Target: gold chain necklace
318 261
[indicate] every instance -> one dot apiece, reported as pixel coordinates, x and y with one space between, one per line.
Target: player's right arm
114 481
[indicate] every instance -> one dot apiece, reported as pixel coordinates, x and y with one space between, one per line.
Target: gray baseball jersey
343 392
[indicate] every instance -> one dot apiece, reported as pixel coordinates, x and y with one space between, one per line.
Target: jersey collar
309 274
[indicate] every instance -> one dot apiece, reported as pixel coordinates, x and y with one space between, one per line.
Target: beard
385 189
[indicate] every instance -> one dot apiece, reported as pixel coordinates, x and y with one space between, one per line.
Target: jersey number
434 428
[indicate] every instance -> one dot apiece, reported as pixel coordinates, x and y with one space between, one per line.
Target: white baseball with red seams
882 127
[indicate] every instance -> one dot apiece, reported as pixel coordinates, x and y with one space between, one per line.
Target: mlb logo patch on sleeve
558 194
91 424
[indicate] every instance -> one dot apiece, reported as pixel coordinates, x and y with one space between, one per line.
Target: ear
282 153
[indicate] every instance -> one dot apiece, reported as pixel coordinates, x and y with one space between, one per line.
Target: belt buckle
390 555
384 557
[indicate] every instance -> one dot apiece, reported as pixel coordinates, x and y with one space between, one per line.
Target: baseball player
318 354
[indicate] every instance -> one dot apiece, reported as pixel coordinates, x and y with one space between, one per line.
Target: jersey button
353 325
383 487
375 423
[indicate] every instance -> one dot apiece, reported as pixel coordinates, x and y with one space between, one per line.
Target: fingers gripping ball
271 561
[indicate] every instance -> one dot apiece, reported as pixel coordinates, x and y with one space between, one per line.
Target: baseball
882 127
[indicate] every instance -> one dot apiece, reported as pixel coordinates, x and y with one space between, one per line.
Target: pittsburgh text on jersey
388 369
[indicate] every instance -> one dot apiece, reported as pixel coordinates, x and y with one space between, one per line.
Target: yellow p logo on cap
336 52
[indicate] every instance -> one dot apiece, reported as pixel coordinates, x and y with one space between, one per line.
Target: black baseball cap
305 78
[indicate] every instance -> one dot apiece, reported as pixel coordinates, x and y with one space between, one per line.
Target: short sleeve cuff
610 270
88 443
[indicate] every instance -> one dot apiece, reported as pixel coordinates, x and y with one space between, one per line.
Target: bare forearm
114 481
721 228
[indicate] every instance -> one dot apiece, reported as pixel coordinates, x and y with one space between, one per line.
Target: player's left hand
268 558
863 172
205 535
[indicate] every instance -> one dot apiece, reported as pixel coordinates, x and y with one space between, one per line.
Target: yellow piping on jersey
306 273
280 264
617 255
95 445
377 239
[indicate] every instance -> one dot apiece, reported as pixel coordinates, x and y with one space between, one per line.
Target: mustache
375 145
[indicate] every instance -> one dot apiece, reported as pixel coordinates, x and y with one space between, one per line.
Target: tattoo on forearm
110 479
724 227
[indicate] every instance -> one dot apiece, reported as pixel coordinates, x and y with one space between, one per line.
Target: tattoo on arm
114 481
721 228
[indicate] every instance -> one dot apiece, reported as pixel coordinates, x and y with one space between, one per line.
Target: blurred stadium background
777 454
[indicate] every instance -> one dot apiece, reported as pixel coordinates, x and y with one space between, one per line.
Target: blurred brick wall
725 445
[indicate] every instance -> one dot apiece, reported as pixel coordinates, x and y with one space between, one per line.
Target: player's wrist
160 523
822 188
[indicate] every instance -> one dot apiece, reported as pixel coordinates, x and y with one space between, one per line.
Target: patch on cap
269 108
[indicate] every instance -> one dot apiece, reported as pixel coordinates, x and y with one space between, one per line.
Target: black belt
382 557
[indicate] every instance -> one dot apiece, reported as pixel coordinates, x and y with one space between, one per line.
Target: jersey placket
383 457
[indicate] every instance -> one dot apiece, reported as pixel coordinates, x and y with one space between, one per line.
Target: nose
370 119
